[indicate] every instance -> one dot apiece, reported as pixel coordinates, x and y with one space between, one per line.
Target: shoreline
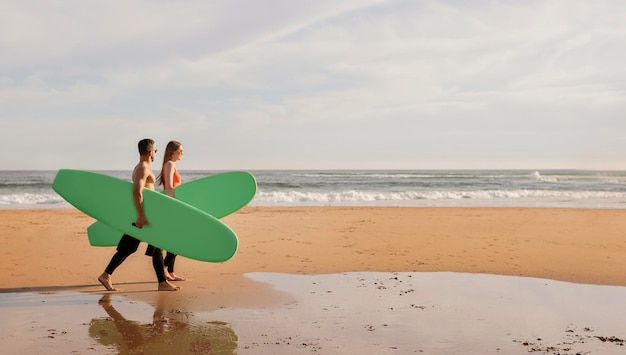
302 272
575 245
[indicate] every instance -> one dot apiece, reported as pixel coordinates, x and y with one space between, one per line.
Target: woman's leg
159 269
170 259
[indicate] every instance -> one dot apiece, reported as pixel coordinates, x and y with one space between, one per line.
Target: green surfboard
174 225
218 195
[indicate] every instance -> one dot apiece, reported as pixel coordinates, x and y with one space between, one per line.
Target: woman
169 178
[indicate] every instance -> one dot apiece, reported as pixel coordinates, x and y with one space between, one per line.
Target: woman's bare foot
173 277
105 280
167 286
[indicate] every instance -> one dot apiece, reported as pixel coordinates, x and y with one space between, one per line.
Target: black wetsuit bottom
170 258
125 247
157 263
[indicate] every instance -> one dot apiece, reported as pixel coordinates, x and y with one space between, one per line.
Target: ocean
410 188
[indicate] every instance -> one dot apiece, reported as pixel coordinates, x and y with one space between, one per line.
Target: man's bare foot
173 277
167 286
105 280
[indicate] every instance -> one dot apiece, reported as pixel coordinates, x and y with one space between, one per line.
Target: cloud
321 83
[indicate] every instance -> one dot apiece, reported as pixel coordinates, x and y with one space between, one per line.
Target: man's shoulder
141 167
142 170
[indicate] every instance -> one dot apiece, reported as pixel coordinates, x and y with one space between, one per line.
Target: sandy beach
46 253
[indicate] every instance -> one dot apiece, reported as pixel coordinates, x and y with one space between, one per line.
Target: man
143 177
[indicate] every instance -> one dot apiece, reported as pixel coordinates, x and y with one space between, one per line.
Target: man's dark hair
145 146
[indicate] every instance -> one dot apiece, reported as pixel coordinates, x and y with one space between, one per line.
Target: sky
314 84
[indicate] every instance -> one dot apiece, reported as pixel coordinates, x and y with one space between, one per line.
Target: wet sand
47 255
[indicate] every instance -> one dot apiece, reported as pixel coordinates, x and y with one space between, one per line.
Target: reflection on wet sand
364 313
169 332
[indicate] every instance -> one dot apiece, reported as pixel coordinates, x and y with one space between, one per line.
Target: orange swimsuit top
177 179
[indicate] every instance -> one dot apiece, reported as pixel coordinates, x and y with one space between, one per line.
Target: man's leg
125 247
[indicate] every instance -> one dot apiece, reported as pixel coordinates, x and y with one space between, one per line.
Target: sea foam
402 197
29 199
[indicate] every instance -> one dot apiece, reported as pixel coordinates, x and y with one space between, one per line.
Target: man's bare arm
139 182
